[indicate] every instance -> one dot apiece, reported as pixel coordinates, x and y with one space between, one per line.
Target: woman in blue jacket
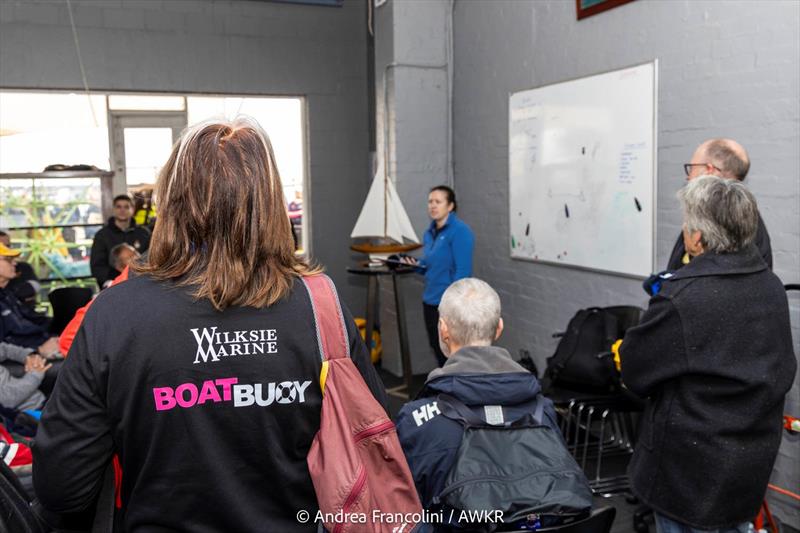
447 246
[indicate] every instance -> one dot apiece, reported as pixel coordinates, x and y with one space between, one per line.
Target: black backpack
582 360
520 467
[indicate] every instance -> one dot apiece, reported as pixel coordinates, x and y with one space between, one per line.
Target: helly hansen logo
425 413
214 344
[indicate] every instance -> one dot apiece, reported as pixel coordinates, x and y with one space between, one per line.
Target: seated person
122 255
476 373
18 324
26 285
713 356
23 392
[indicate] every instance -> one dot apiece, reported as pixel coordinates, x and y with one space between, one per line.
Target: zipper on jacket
374 430
358 486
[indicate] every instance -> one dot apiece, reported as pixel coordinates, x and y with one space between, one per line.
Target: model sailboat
383 227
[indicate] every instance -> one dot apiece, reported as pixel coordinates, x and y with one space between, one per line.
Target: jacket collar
478 360
452 217
480 375
746 261
111 224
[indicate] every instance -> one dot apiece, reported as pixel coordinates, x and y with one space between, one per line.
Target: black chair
66 301
600 521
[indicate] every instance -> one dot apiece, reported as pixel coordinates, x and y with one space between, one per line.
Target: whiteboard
582 172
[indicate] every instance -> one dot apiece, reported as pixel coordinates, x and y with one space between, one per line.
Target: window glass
146 151
42 129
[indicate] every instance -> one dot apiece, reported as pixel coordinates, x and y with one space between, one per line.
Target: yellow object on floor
376 348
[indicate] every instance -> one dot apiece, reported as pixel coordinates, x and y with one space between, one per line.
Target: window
53 216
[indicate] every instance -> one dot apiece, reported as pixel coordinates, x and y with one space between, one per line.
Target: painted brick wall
410 55
220 46
726 69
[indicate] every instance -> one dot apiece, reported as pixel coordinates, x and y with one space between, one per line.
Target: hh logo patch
425 413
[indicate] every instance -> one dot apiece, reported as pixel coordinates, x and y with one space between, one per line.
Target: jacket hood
480 374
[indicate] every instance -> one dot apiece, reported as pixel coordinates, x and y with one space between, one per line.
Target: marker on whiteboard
638 205
528 229
566 210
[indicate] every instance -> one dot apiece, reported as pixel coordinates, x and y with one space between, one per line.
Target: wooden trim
597 8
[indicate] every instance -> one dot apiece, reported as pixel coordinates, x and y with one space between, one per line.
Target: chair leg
588 431
602 440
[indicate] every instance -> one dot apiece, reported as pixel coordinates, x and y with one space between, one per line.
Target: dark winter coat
477 376
106 239
713 355
762 243
19 324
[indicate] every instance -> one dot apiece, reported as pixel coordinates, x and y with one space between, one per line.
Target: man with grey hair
727 159
483 377
713 356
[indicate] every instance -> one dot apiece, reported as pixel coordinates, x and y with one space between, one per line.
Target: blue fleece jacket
448 257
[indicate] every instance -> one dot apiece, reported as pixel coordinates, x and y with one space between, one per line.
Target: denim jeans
667 525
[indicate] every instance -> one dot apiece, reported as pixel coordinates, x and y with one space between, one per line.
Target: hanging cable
80 63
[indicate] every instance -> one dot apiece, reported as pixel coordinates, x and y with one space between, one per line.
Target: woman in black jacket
201 373
713 355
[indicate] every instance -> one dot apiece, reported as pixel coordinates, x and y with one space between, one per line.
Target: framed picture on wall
587 8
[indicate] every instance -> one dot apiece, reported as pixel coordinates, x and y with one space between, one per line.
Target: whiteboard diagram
582 172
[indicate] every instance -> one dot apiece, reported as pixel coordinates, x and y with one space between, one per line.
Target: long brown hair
222 226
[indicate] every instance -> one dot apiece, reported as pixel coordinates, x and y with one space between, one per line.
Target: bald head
729 158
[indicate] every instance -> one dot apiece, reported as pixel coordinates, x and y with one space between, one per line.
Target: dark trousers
431 313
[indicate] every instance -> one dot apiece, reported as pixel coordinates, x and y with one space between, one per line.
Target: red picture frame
587 8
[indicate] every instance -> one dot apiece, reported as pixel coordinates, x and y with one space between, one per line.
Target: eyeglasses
687 167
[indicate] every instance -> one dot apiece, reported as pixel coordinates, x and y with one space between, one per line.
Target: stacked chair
597 413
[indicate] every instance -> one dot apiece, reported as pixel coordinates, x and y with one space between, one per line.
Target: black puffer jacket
713 355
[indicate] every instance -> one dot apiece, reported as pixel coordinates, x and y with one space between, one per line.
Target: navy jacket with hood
477 376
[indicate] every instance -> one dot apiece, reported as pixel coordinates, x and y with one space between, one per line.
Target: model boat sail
383 227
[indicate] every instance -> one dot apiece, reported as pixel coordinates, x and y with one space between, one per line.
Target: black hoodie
107 238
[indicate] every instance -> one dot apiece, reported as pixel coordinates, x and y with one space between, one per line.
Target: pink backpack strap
328 317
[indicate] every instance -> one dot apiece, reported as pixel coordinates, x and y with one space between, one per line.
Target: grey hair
722 210
471 309
725 156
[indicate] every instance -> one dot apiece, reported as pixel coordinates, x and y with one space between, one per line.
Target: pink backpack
356 463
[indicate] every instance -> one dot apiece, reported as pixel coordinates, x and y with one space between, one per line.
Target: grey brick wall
218 47
727 68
